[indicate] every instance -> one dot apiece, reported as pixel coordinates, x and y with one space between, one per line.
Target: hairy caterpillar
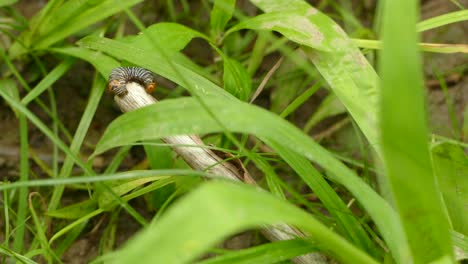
120 76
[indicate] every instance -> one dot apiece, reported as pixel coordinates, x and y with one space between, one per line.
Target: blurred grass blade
429 47
7 2
227 208
451 167
10 88
267 253
220 15
330 106
404 138
442 20
74 211
185 116
20 258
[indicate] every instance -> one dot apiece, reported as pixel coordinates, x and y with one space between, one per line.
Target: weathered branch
200 158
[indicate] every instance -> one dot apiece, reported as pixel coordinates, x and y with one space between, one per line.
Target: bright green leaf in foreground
225 208
404 138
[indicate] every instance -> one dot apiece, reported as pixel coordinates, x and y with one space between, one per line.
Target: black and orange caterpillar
120 76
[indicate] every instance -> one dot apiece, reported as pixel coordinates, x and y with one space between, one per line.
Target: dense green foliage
412 211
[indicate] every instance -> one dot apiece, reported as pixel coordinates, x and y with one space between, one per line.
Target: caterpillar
120 76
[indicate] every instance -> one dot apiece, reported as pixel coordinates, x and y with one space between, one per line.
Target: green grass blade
429 47
41 126
404 138
20 258
90 16
267 253
236 79
442 20
223 215
90 110
47 81
19 239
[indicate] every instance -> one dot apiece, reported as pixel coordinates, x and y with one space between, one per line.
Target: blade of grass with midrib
404 134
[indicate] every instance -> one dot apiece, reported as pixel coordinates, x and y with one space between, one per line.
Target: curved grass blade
267 253
225 208
442 20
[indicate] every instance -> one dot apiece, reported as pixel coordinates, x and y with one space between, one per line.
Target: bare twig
206 160
266 79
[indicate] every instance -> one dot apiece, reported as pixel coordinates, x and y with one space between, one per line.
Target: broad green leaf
442 20
171 37
403 129
223 216
330 106
293 25
157 63
342 65
103 63
451 167
184 116
267 253
236 79
221 14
